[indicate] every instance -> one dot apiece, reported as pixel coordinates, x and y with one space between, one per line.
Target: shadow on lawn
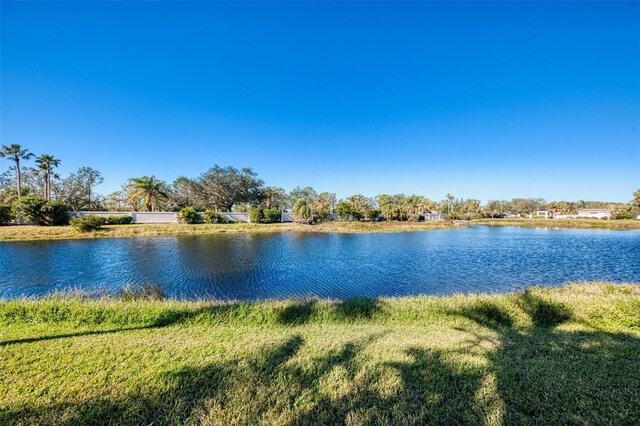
359 308
69 335
297 313
539 374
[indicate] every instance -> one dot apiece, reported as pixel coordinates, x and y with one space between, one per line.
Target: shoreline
36 233
615 224
44 233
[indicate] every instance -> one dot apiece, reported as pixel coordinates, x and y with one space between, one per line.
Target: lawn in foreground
568 355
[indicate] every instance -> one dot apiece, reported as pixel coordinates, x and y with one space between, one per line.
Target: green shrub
322 214
272 216
6 215
31 209
55 212
373 214
88 223
356 215
210 216
344 210
119 220
38 211
256 215
188 215
624 214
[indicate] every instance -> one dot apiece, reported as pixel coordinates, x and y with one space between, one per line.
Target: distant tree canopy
76 190
230 189
222 187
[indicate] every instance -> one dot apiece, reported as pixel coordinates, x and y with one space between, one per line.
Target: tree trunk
19 178
48 183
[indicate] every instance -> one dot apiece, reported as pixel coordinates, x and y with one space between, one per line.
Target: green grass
545 356
31 233
562 223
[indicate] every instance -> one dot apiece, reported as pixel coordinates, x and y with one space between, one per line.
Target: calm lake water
258 266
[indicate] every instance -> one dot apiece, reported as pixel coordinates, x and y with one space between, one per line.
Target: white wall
169 217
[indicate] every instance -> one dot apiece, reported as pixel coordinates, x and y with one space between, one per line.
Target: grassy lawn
16 233
545 356
562 223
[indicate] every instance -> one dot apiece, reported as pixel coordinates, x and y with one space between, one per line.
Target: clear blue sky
483 100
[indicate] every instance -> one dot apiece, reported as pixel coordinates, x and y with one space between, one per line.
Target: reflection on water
260 266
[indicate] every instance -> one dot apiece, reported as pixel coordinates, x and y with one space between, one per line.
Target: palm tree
149 189
16 153
636 198
450 199
303 210
45 163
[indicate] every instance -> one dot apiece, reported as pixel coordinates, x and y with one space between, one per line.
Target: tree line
226 189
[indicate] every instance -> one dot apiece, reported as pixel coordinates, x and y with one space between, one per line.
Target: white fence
169 217
172 217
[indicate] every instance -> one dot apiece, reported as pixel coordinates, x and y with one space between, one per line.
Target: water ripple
252 266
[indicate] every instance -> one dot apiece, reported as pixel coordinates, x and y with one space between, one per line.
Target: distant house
595 213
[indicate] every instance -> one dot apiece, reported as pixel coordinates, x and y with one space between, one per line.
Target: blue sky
483 100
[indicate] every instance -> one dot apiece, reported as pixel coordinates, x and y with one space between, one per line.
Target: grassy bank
562 223
26 233
549 356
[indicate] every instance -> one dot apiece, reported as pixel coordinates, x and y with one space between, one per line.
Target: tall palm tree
16 153
303 210
450 199
149 189
46 162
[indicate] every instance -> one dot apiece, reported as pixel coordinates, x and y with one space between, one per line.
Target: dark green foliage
55 213
357 215
38 211
211 216
256 215
88 223
373 214
344 210
6 215
30 208
272 216
119 220
188 215
629 213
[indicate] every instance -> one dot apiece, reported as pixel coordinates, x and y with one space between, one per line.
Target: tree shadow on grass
359 308
542 374
432 390
548 375
70 335
179 400
297 313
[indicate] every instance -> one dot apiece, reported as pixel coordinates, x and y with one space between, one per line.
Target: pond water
281 265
